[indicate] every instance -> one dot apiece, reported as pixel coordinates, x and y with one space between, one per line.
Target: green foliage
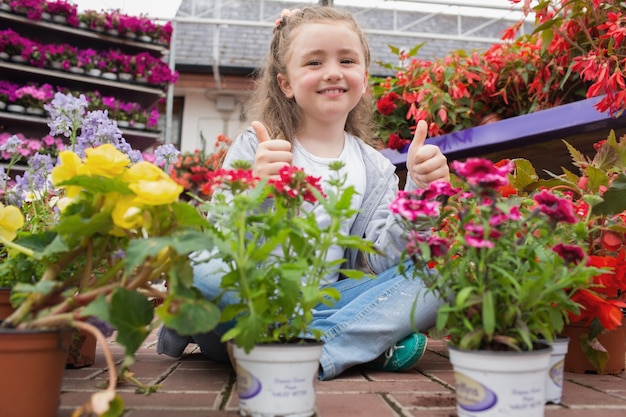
273 254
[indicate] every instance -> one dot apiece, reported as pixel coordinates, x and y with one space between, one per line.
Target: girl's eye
315 63
347 61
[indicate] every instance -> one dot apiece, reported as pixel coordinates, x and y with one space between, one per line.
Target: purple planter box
542 126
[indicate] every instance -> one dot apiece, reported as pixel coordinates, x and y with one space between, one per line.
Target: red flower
608 312
294 184
386 105
396 142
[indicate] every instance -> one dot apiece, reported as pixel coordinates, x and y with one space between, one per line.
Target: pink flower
558 209
478 171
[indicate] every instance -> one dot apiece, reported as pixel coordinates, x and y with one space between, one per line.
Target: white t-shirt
353 169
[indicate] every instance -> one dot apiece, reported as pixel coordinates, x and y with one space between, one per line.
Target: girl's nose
332 73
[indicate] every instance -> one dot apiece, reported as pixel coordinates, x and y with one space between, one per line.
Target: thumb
261 131
420 136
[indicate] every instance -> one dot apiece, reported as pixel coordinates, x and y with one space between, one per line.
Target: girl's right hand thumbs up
271 155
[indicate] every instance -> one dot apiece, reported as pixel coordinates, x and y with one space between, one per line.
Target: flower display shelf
142 94
33 125
535 136
146 95
80 37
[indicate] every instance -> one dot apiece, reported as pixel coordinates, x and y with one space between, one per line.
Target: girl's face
326 72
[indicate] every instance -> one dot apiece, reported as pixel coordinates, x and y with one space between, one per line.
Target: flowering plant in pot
272 256
497 257
273 250
33 96
117 227
497 261
64 8
598 193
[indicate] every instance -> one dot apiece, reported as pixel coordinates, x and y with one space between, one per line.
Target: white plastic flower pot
277 379
500 384
554 380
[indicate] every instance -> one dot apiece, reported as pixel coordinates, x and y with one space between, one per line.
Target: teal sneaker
403 355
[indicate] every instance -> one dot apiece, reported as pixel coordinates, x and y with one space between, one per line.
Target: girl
313 109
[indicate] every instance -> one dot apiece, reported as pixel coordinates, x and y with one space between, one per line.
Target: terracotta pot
82 350
5 304
614 342
32 364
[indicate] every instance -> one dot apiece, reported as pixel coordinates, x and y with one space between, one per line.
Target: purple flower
166 155
97 129
11 146
66 113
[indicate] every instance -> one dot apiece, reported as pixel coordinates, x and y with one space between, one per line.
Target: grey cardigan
374 220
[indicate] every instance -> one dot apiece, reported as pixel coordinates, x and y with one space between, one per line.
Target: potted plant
33 98
599 197
118 226
272 252
507 281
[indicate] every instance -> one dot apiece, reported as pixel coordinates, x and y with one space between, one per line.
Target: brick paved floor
196 387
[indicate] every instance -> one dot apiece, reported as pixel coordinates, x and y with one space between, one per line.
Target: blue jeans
370 317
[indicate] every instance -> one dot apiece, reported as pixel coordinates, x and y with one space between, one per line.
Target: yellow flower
126 214
144 171
106 161
154 193
151 185
69 166
11 219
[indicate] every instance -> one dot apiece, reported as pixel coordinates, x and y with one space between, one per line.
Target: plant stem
20 248
105 350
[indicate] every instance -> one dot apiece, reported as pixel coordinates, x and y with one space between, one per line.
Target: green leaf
78 225
116 407
98 308
132 323
614 198
188 215
189 316
525 174
100 185
488 313
183 242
